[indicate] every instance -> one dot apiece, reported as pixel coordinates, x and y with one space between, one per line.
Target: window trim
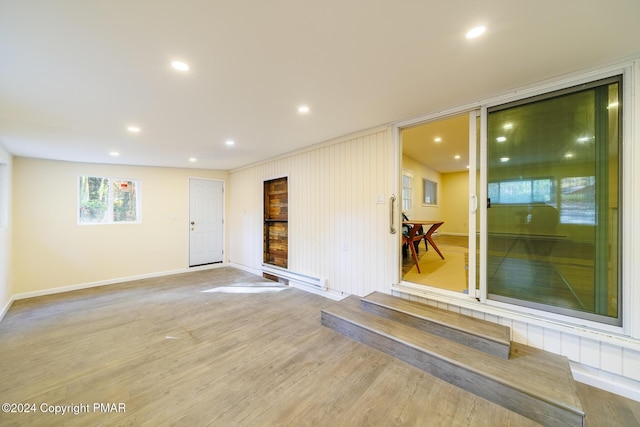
425 182
138 186
407 173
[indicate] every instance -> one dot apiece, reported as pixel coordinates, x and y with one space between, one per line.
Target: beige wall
455 203
420 172
6 162
453 197
50 250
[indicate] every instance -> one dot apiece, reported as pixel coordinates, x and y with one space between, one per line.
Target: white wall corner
6 308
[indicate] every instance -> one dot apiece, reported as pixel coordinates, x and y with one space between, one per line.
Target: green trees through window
104 200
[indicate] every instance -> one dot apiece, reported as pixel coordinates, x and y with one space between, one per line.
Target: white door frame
397 132
223 208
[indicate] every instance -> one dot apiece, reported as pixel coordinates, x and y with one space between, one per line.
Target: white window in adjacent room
103 200
407 191
430 191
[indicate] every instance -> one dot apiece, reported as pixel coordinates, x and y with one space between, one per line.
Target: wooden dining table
414 226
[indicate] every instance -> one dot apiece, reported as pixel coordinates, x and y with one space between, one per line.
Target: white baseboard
333 295
609 382
328 293
6 308
255 271
113 281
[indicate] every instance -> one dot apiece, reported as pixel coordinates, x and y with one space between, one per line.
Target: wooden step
476 333
533 383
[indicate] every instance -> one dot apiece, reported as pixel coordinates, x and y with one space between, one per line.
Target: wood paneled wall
338 230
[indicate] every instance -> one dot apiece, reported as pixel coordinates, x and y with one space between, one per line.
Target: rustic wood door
276 217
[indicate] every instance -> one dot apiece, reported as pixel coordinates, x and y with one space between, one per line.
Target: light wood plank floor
176 356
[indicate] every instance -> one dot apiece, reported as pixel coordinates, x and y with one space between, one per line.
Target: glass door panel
553 185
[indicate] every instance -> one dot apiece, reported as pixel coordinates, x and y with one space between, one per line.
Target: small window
108 200
578 200
407 191
522 191
430 192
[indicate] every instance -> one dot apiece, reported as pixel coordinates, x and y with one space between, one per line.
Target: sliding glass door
553 188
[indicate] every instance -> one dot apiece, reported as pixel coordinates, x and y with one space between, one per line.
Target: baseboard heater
290 276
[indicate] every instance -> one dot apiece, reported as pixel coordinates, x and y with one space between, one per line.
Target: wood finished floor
566 282
177 356
445 243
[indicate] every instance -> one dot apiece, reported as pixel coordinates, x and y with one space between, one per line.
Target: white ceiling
75 73
450 153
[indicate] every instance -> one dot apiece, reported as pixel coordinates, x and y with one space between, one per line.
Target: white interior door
206 222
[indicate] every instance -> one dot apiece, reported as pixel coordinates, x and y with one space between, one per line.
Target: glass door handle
392 214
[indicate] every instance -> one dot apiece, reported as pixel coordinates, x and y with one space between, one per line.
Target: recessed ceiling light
457 156
501 139
303 109
133 129
467 166
437 139
114 154
476 32
193 159
504 159
229 142
180 66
